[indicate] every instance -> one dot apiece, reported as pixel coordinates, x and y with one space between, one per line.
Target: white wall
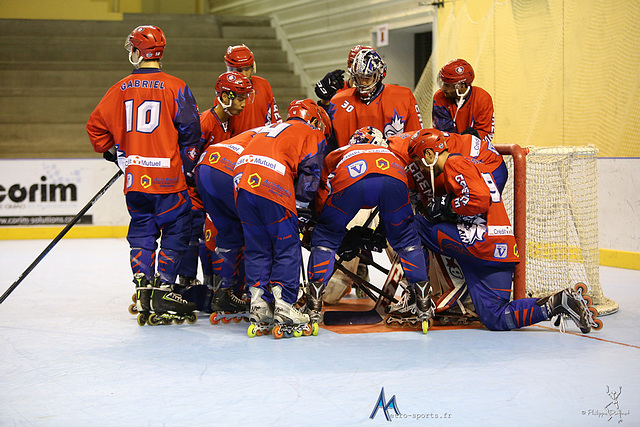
619 203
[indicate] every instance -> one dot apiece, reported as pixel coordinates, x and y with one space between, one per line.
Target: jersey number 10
147 116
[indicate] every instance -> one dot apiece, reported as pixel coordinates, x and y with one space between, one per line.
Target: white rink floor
71 355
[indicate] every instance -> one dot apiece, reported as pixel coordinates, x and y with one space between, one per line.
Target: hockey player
366 174
233 91
151 119
262 110
389 108
459 107
276 178
334 82
469 223
214 178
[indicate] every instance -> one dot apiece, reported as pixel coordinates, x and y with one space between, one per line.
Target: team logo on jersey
145 181
254 180
472 229
382 164
129 180
214 157
207 235
501 251
357 169
236 181
192 153
515 250
395 126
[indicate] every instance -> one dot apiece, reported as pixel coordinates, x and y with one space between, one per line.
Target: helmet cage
367 71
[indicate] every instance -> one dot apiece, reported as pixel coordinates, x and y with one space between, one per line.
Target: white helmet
368 70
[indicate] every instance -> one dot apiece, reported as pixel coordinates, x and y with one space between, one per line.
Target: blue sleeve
309 172
187 122
442 119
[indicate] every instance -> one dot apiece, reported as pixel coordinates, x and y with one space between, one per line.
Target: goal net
561 221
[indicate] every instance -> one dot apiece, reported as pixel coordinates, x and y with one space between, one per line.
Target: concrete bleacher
53 73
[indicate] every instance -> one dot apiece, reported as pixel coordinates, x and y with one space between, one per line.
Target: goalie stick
60 235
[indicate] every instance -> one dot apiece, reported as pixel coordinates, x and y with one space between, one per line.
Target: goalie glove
440 209
305 217
329 85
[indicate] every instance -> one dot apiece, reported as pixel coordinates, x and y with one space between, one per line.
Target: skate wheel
153 320
307 330
213 319
288 334
237 319
597 324
192 318
425 326
277 332
581 288
588 300
142 319
297 334
133 309
252 331
225 320
178 321
133 298
314 330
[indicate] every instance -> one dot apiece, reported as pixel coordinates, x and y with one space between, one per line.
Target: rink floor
72 355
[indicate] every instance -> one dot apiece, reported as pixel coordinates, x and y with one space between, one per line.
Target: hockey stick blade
338 318
60 235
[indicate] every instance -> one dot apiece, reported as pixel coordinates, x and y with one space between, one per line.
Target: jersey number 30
147 116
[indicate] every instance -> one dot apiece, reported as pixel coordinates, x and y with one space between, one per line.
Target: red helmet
238 57
326 122
148 39
425 139
353 52
234 83
307 110
457 70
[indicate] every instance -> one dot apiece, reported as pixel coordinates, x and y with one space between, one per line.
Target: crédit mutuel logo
382 404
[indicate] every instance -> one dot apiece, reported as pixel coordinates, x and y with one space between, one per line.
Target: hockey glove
441 210
329 85
350 245
305 217
470 131
111 155
374 240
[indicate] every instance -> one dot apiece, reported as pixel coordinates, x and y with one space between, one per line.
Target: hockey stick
60 235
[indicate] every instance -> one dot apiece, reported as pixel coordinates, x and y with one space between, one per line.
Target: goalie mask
368 71
353 52
239 58
368 135
235 85
147 42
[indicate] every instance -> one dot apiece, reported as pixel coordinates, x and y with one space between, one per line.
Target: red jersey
476 112
484 226
262 111
224 155
213 130
152 119
349 164
282 163
394 110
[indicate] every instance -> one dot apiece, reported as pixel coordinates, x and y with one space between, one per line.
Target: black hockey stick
60 235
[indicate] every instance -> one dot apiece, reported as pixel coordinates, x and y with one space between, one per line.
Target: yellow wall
561 72
102 10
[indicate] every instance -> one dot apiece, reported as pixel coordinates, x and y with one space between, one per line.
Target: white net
562 222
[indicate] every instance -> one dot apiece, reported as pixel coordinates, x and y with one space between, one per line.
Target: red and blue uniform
356 177
152 119
214 179
483 244
476 112
278 171
393 110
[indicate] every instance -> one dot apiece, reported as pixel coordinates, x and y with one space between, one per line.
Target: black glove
329 85
374 240
441 210
470 131
110 156
305 217
350 245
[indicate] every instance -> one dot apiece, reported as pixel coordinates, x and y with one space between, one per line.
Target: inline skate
260 314
575 305
226 307
167 306
288 321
